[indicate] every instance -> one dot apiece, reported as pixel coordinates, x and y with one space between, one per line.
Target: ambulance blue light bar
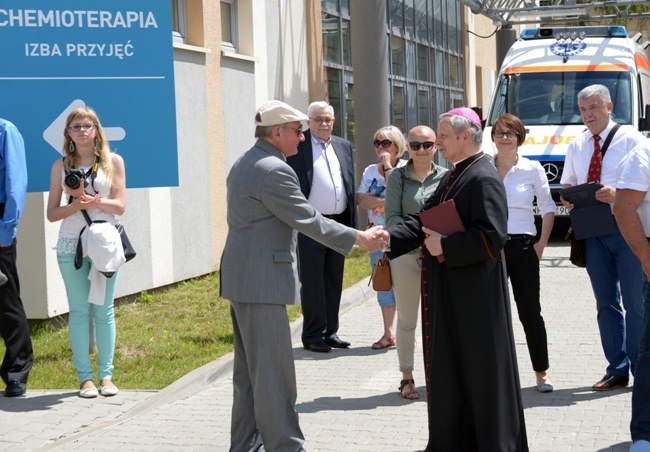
609 31
617 31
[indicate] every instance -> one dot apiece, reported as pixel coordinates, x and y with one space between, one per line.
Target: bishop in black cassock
472 380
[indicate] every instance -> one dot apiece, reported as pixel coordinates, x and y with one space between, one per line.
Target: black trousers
321 278
14 328
523 270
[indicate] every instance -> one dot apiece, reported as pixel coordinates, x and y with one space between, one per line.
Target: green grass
161 336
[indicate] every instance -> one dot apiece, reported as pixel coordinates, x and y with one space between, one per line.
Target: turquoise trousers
77 288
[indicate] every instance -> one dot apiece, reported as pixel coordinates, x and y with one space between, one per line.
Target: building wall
178 232
293 55
42 289
481 69
271 63
238 77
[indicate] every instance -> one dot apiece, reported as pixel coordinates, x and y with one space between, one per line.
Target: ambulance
540 79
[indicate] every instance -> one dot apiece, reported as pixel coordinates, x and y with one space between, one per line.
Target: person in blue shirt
19 355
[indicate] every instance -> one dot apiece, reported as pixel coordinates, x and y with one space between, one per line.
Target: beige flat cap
276 112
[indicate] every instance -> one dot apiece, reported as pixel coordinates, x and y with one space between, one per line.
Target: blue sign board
115 57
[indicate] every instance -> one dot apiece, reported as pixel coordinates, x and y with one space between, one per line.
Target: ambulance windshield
552 98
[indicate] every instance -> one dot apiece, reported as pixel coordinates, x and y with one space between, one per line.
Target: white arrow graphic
53 135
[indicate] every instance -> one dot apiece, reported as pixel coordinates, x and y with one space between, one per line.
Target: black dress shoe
15 389
609 382
336 342
319 347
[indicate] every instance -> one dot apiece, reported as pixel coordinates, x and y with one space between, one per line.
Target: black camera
74 177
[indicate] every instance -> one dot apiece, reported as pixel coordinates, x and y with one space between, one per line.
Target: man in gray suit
259 276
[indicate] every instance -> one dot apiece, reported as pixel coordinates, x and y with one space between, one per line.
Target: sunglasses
383 143
416 145
298 130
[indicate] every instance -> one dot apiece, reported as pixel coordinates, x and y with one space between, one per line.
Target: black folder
589 217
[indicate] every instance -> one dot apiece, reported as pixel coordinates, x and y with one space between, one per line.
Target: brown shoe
609 382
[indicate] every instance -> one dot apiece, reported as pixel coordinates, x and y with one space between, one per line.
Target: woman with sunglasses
408 189
99 189
389 146
525 180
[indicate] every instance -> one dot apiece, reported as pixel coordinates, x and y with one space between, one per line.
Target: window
334 90
179 22
397 55
337 62
423 64
398 106
331 37
427 63
424 104
229 25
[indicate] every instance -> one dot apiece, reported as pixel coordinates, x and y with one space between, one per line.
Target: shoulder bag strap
78 255
609 139
83 211
402 173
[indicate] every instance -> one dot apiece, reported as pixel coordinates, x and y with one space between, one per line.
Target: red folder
444 219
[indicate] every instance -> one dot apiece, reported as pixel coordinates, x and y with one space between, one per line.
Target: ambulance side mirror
644 123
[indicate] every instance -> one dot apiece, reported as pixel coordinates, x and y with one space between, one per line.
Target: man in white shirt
325 169
614 270
632 210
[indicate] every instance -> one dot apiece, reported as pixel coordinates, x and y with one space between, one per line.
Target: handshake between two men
373 239
377 238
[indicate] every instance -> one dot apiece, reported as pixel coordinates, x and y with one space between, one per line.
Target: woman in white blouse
99 189
525 180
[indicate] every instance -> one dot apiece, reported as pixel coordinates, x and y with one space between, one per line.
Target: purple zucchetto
467 113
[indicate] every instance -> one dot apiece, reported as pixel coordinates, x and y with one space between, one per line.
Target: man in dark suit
325 169
259 276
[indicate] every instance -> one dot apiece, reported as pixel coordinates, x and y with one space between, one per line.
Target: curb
211 373
220 369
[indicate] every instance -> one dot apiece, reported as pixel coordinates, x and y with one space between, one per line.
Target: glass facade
337 64
425 61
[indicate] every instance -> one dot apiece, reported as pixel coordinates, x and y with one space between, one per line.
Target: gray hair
461 123
595 90
319 104
263 131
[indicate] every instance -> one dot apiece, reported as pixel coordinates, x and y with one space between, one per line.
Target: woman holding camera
91 179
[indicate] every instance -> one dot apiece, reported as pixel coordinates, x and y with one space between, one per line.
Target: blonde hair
395 135
104 151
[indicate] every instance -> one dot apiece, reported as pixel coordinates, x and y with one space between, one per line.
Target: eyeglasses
298 130
508 134
327 121
383 143
78 127
416 145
